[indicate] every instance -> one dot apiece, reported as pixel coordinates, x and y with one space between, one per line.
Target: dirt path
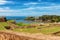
27 36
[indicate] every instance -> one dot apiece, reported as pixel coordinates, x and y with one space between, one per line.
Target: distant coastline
43 18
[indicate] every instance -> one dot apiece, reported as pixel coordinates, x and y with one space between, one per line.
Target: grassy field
50 30
2 25
38 29
43 30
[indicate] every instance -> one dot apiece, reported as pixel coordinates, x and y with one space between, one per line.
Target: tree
30 18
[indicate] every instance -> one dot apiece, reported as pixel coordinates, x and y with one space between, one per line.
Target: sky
29 7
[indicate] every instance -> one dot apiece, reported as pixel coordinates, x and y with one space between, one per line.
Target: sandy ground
36 36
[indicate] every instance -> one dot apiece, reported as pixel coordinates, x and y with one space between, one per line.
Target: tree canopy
46 18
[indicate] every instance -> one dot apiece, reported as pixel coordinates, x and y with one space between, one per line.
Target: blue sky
29 7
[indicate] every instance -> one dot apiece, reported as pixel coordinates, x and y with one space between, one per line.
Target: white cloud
52 7
32 9
31 3
7 10
41 3
4 2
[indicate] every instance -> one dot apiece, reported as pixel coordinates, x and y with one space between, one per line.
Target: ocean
18 19
15 17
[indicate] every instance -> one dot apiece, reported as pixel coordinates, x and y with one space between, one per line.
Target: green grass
10 21
2 25
22 24
43 30
28 30
50 30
